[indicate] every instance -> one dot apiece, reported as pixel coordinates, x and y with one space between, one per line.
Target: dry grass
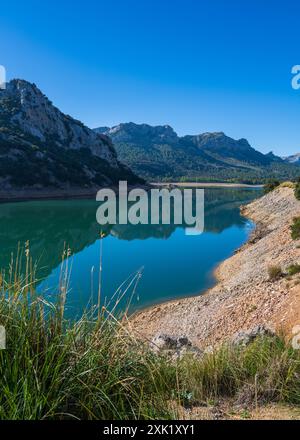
274 273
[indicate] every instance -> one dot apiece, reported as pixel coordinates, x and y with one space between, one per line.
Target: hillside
158 153
43 149
244 296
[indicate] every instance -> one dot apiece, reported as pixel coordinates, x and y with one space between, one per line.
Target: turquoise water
171 263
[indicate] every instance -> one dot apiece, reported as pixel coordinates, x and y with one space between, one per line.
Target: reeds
54 368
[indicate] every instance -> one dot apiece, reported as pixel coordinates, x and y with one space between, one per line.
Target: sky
199 66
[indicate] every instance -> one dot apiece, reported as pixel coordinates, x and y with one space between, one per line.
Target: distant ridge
294 159
158 153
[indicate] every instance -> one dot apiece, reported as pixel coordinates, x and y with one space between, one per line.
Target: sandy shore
244 296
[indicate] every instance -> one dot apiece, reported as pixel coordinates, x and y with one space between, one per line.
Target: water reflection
51 225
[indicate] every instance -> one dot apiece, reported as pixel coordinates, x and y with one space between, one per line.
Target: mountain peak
216 134
30 110
23 90
37 137
145 134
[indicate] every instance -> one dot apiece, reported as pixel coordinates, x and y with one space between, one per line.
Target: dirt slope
244 296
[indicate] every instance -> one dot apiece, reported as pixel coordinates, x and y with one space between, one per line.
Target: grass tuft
274 273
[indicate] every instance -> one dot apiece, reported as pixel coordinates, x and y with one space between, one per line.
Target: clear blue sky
222 65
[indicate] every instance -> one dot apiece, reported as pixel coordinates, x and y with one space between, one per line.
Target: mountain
158 153
42 148
294 159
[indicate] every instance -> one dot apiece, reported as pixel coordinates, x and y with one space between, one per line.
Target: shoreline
207 184
57 194
243 295
17 196
206 291
27 195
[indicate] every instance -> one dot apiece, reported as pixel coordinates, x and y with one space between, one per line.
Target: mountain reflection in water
175 264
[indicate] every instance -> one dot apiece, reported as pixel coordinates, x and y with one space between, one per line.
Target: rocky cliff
42 149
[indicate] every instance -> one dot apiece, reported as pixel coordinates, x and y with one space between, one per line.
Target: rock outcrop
174 347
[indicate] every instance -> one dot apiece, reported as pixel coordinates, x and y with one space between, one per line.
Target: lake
154 263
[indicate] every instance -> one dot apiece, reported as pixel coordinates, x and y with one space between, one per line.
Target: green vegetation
295 228
297 190
293 269
94 369
89 369
54 166
274 272
287 184
271 185
264 371
166 163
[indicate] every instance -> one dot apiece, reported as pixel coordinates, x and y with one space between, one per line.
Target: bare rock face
42 147
143 134
246 337
34 114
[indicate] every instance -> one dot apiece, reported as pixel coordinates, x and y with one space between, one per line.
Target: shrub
293 269
270 185
297 190
295 228
274 272
287 184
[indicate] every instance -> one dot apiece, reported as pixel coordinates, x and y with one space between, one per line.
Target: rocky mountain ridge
294 159
158 153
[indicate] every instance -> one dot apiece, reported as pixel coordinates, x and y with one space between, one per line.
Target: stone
245 337
175 346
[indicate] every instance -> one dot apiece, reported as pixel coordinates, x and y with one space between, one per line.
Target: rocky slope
158 153
294 159
244 295
43 149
